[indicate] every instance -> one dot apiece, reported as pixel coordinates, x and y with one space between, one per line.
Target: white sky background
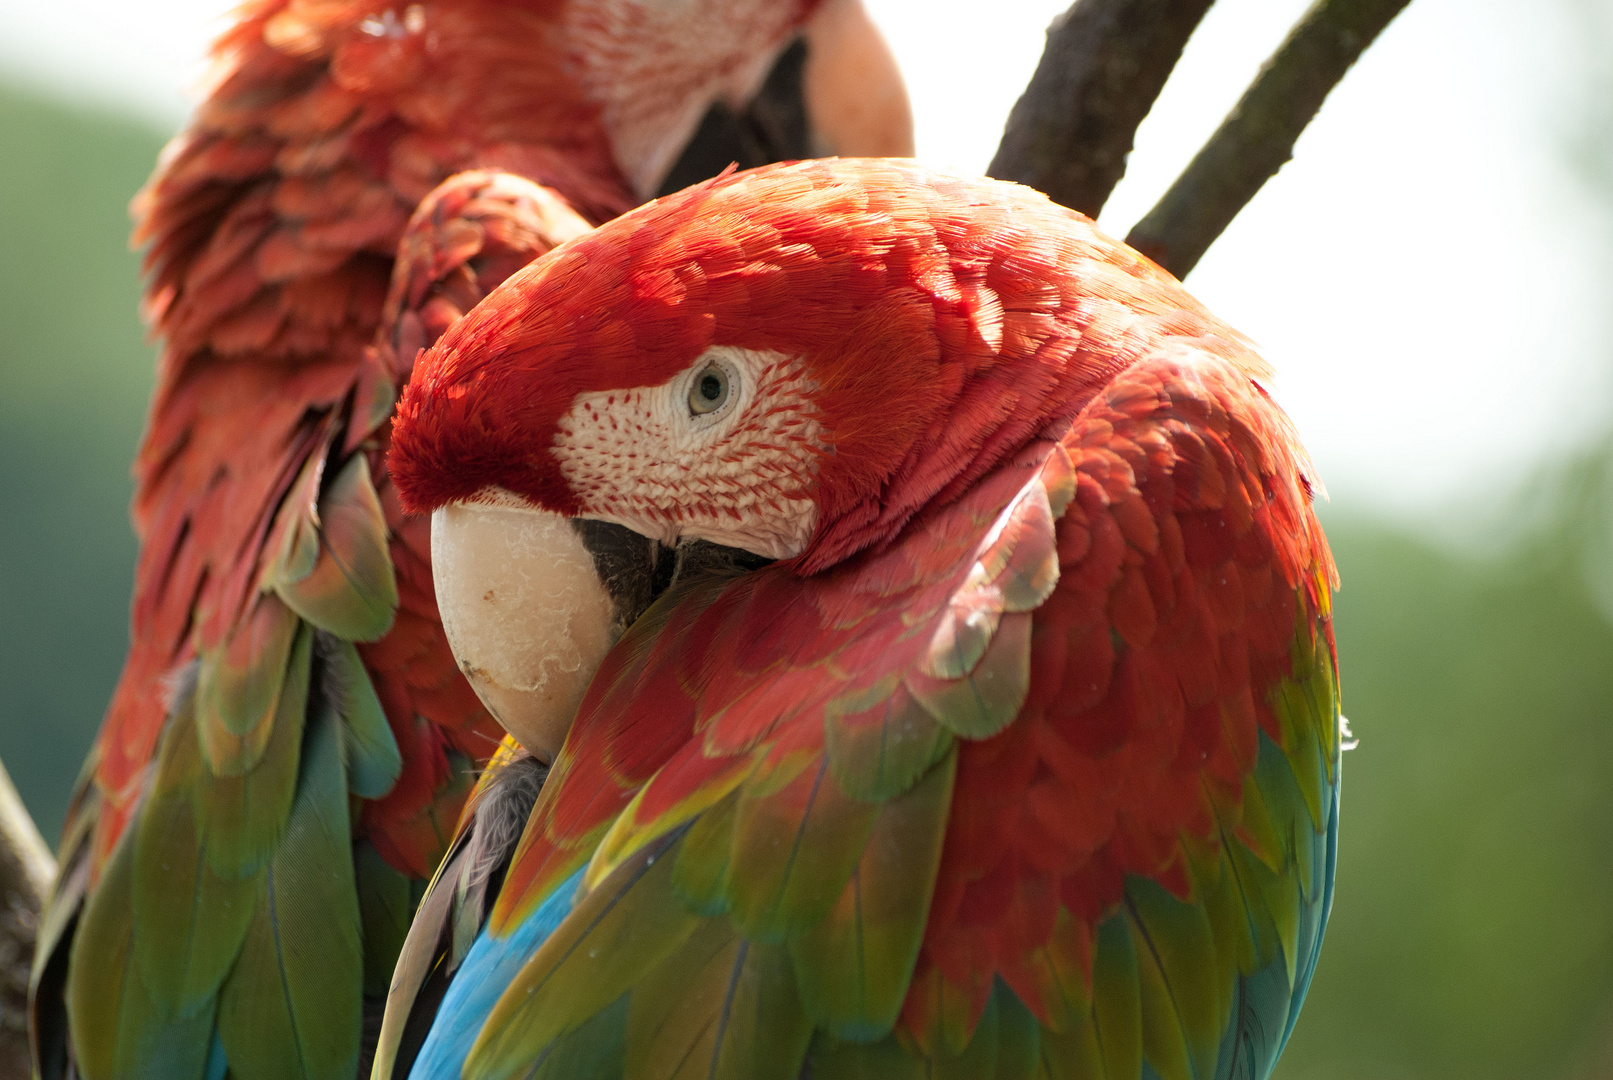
1428 276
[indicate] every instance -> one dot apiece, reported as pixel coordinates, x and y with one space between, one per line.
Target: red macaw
1013 749
290 742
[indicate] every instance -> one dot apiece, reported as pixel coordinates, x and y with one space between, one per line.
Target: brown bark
1257 137
26 870
1105 63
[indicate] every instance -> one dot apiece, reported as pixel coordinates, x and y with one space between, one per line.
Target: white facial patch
656 66
525 613
739 475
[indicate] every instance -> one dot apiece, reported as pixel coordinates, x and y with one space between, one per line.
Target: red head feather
944 322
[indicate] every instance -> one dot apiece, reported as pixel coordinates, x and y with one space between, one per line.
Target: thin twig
26 870
1257 137
1105 63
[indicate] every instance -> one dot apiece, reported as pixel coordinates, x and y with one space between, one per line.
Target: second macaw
1000 735
291 741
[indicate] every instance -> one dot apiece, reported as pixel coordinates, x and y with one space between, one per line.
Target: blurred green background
1473 928
75 373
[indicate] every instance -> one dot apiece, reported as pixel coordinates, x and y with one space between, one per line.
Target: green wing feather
793 846
239 687
245 814
290 1007
349 590
881 740
192 918
373 760
853 964
232 904
106 992
386 903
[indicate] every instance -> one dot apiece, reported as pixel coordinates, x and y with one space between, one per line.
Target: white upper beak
526 614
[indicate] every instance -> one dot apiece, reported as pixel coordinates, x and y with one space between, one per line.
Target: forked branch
1257 137
1105 64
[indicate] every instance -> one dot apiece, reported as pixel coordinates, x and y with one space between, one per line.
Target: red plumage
1056 513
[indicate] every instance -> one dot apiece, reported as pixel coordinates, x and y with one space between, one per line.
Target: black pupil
710 387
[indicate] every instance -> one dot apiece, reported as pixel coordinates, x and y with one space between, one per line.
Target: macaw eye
709 391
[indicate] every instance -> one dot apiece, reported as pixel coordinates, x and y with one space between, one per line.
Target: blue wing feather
489 968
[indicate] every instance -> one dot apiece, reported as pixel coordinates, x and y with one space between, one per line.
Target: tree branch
1105 63
26 870
1257 137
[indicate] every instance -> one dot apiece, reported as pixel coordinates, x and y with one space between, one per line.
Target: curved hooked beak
532 601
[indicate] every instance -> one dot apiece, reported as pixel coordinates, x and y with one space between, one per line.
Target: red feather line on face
945 322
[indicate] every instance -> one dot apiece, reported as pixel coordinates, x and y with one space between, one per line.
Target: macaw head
793 361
